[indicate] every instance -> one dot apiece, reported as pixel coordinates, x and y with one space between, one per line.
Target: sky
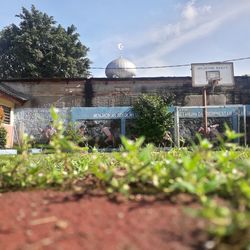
152 32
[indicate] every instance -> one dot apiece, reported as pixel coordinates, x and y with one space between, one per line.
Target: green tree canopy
37 47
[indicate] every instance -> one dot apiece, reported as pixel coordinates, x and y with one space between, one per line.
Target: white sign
205 73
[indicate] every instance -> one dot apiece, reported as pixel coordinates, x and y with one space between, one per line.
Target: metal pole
176 126
245 125
238 119
123 126
204 99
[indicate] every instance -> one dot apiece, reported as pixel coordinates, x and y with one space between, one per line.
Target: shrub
152 118
3 132
3 137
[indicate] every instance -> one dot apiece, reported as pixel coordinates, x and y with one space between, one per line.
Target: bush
3 137
3 132
152 118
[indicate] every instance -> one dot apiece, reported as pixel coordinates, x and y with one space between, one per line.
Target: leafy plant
152 118
72 133
3 132
3 137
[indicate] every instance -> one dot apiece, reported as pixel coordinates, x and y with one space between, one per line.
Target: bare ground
60 220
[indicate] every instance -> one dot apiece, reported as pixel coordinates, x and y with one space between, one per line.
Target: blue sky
153 32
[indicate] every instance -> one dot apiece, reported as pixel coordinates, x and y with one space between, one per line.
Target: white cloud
190 12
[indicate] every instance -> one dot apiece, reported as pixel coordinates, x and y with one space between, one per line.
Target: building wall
44 93
116 92
122 92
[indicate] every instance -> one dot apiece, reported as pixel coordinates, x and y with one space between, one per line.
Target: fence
29 119
234 112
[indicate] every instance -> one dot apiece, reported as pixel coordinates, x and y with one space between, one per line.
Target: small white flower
226 153
167 162
94 157
156 180
125 187
130 142
25 135
179 161
124 154
210 244
234 171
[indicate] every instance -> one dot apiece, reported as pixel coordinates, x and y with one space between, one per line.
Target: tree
40 48
152 118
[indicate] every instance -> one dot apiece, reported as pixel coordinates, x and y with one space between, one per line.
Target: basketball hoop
213 83
209 75
212 74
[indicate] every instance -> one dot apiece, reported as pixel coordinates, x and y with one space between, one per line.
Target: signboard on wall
110 113
226 111
99 113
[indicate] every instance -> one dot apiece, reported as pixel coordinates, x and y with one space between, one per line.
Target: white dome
120 68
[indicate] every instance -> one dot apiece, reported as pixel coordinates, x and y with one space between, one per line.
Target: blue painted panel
107 113
197 112
123 126
248 110
101 113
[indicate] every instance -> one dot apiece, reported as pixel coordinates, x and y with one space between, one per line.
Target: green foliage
73 134
59 142
40 48
3 137
3 132
152 118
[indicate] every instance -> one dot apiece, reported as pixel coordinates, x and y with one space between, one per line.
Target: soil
60 220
